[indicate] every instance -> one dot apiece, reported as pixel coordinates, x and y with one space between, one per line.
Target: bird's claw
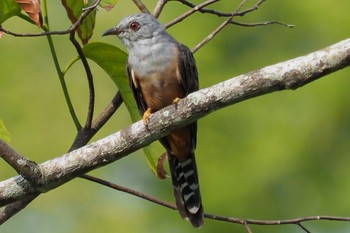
146 115
176 101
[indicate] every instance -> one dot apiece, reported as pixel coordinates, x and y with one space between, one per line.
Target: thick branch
286 75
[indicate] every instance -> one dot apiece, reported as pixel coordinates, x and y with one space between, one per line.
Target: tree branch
287 75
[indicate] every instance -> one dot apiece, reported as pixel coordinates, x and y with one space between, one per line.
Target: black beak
112 31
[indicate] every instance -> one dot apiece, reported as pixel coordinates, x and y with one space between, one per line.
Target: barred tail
186 189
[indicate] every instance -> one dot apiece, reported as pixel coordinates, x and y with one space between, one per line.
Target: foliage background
283 155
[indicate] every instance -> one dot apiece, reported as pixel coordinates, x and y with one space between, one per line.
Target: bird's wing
189 79
140 100
188 70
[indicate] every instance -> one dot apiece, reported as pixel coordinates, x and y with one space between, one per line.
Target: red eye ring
134 26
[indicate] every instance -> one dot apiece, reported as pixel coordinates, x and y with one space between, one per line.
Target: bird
162 71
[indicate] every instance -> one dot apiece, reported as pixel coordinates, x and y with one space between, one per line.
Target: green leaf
4 134
74 10
113 61
108 4
8 8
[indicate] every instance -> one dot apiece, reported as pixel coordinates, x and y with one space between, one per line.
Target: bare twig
245 222
247 227
129 191
141 6
211 35
90 80
238 11
190 12
229 20
73 27
107 112
261 24
224 14
303 227
159 7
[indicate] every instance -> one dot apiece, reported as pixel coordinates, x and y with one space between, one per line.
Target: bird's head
136 27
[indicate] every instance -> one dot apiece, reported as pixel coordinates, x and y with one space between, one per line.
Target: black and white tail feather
186 189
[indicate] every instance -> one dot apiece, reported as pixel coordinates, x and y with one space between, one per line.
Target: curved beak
112 31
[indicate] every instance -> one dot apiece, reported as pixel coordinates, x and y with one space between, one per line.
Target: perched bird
161 71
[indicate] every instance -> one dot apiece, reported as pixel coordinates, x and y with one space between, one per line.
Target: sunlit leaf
8 8
74 10
4 134
113 61
108 4
32 8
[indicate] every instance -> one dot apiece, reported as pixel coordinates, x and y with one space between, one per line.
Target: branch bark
287 75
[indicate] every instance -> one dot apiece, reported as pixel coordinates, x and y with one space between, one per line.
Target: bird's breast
158 77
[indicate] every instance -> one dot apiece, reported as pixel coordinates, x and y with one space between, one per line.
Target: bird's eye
134 26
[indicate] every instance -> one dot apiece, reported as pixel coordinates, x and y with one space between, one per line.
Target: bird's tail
186 189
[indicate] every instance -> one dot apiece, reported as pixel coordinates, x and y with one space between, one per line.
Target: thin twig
238 11
244 222
261 24
190 12
107 112
223 14
303 227
73 27
141 6
210 36
129 191
89 78
230 20
247 227
159 7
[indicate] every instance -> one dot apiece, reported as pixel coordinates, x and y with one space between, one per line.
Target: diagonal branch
142 7
159 7
287 75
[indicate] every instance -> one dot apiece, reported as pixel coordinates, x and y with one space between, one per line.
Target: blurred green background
283 155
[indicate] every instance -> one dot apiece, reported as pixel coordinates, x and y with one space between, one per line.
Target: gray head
137 27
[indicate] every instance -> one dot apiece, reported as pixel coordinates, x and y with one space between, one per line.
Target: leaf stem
58 68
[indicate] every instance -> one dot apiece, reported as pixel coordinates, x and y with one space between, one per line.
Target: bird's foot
176 101
146 115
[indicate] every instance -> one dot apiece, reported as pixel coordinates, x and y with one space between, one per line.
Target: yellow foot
176 101
146 115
